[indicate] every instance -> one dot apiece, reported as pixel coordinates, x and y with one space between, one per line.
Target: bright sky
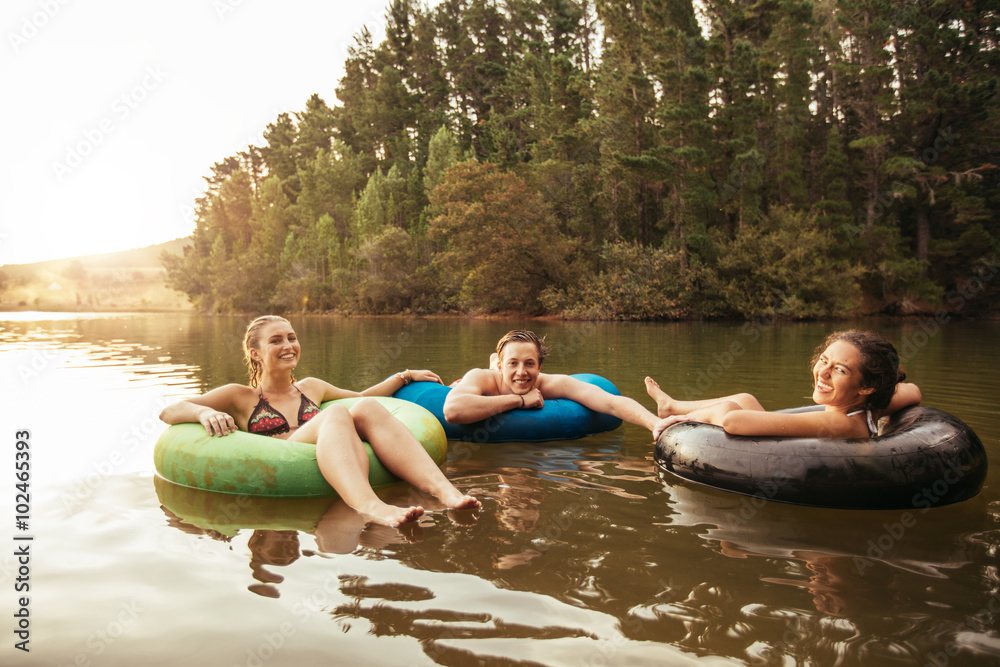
115 110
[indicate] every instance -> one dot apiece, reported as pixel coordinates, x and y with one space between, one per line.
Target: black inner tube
924 458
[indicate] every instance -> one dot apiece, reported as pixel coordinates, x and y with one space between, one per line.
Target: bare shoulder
311 387
227 398
233 390
479 381
319 390
311 384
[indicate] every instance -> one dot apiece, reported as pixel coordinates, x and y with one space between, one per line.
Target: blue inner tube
924 458
559 419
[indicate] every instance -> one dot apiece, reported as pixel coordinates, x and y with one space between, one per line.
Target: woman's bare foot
664 404
390 515
456 500
451 497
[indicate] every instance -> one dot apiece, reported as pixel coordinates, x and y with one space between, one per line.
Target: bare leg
344 463
667 406
403 455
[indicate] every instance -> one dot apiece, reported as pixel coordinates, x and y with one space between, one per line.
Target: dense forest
626 159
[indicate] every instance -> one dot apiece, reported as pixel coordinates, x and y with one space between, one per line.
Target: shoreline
506 316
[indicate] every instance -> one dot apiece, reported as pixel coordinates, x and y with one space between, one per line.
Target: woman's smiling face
519 366
837 377
279 346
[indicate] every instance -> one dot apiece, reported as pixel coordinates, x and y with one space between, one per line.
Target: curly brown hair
880 369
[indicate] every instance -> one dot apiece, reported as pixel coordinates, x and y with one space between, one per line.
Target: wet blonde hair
251 341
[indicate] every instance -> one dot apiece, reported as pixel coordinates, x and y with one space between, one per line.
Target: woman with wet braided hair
271 352
856 377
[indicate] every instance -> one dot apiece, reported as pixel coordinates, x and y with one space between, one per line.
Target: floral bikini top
265 420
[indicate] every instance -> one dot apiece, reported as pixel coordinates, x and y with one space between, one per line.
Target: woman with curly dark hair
856 376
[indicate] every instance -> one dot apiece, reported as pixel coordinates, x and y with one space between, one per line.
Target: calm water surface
583 554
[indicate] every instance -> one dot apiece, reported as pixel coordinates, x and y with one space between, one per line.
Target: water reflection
275 524
857 569
908 540
854 581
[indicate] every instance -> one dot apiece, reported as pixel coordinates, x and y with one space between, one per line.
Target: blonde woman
276 405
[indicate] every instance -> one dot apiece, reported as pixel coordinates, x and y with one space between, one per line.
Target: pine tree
676 53
790 137
314 131
835 206
353 119
279 155
946 86
741 98
626 101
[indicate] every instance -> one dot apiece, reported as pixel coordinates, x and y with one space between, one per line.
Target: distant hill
137 258
115 281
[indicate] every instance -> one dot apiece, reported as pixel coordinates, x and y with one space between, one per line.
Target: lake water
584 552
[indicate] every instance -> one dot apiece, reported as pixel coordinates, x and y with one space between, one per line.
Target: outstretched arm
738 421
598 400
387 387
474 399
395 382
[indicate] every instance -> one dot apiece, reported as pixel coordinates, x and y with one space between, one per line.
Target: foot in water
664 404
456 500
390 515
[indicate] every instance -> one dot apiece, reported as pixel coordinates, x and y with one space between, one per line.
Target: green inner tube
249 464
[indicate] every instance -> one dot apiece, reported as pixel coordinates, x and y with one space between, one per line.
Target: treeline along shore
626 159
